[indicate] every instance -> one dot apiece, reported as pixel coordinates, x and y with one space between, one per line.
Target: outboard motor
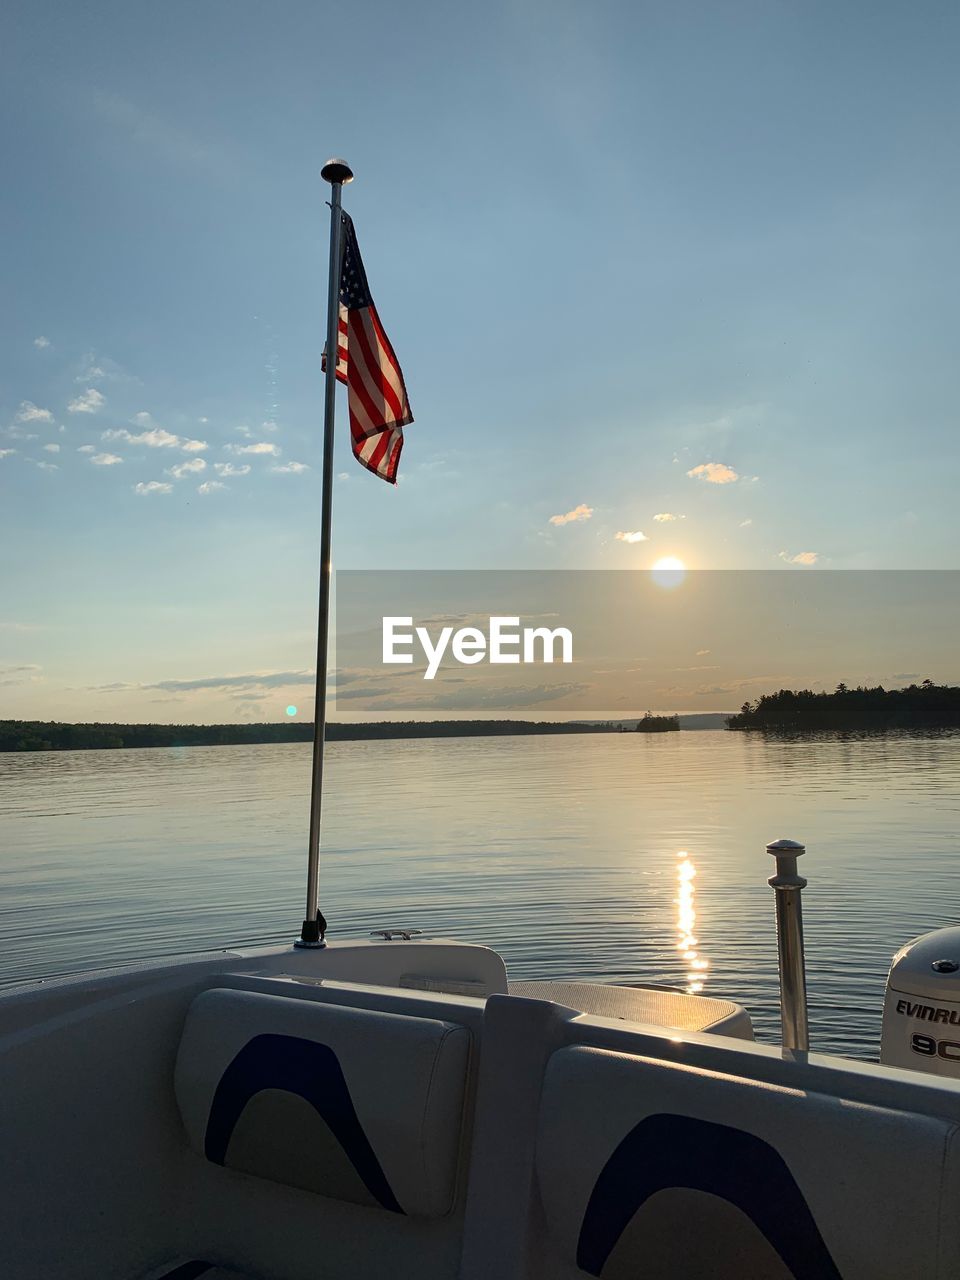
921 1011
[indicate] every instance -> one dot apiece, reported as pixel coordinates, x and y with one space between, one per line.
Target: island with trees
658 724
918 706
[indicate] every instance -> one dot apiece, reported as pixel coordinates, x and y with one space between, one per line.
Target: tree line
36 735
918 706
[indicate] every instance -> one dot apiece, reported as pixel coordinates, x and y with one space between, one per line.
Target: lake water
592 857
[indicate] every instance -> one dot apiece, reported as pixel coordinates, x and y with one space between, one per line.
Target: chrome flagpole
337 173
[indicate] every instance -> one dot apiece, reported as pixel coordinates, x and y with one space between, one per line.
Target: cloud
477 697
745 524
231 469
252 680
155 438
152 486
187 468
28 412
583 512
24 674
701 653
89 402
94 368
343 694
243 431
52 448
733 687
255 680
635 536
105 459
5 453
210 486
44 466
290 468
802 557
663 516
87 448
264 446
268 426
714 473
339 677
41 342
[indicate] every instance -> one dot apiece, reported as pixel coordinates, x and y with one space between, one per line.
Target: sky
449 644
665 280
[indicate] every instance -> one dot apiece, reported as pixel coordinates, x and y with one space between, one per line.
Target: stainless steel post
337 173
787 885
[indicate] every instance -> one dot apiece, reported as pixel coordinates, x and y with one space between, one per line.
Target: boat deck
652 1006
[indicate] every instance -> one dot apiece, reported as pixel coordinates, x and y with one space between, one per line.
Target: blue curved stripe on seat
665 1151
312 1072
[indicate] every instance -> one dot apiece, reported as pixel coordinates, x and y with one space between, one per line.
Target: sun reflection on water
686 924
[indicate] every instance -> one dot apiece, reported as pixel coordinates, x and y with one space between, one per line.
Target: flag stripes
366 363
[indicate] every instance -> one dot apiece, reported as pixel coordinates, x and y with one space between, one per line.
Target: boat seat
351 1104
663 1170
652 1006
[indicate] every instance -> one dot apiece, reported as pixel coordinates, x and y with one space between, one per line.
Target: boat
395 1106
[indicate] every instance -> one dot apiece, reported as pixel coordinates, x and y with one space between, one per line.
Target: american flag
377 398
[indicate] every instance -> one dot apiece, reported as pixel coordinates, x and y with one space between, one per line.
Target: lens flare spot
291 711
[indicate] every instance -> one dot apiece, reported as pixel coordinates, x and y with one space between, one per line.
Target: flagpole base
312 934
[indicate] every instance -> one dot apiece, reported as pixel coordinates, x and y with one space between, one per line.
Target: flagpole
337 173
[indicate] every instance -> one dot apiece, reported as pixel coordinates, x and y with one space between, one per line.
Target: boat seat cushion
660 1170
352 1104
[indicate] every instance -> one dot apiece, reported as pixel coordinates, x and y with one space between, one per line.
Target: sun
668 571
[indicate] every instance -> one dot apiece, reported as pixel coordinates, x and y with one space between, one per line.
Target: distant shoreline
39 735
918 706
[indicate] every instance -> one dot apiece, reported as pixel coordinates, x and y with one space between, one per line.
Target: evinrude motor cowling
921 1010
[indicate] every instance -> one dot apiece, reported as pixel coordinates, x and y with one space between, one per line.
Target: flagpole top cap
337 171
